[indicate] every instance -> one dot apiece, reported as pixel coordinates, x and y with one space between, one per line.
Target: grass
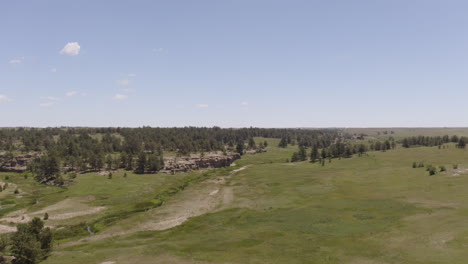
370 209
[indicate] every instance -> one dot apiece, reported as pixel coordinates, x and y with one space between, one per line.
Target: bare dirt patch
7 229
433 203
66 209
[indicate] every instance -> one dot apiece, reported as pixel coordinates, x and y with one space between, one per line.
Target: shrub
16 191
442 168
415 165
46 216
455 166
432 170
421 165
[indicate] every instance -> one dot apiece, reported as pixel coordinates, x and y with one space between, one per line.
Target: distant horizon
337 127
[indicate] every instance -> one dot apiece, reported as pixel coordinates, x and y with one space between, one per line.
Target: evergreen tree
314 154
141 163
252 144
302 153
109 162
240 148
283 143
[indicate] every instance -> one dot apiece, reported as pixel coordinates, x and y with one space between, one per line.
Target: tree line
138 149
433 141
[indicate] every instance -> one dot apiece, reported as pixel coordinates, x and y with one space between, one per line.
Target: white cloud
48 105
71 49
15 61
53 70
124 82
4 98
71 94
132 75
120 97
202 105
244 103
51 98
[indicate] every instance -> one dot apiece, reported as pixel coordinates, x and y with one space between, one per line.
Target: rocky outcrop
17 163
174 165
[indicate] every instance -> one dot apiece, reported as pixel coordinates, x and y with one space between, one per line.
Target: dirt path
205 197
66 209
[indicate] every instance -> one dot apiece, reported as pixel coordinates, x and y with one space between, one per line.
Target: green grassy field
370 209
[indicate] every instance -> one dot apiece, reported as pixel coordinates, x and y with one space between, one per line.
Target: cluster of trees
337 150
433 141
139 149
309 138
84 142
30 244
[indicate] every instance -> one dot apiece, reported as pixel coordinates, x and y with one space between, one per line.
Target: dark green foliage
302 153
314 154
46 216
16 191
442 168
415 165
141 163
295 157
46 168
240 148
31 243
461 143
283 143
252 144
429 141
431 169
455 166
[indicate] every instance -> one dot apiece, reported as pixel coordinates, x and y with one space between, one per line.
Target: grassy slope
370 209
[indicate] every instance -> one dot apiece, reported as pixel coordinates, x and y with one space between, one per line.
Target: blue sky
234 63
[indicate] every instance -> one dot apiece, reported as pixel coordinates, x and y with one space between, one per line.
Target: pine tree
302 153
141 163
314 154
283 143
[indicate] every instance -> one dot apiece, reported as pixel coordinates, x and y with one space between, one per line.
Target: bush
415 165
421 165
46 216
432 170
455 166
442 168
16 191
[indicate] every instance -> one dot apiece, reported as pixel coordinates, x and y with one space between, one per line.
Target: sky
234 63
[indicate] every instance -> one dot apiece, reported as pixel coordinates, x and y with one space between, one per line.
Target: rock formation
174 165
17 163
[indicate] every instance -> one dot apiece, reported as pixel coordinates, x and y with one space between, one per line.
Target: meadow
369 209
